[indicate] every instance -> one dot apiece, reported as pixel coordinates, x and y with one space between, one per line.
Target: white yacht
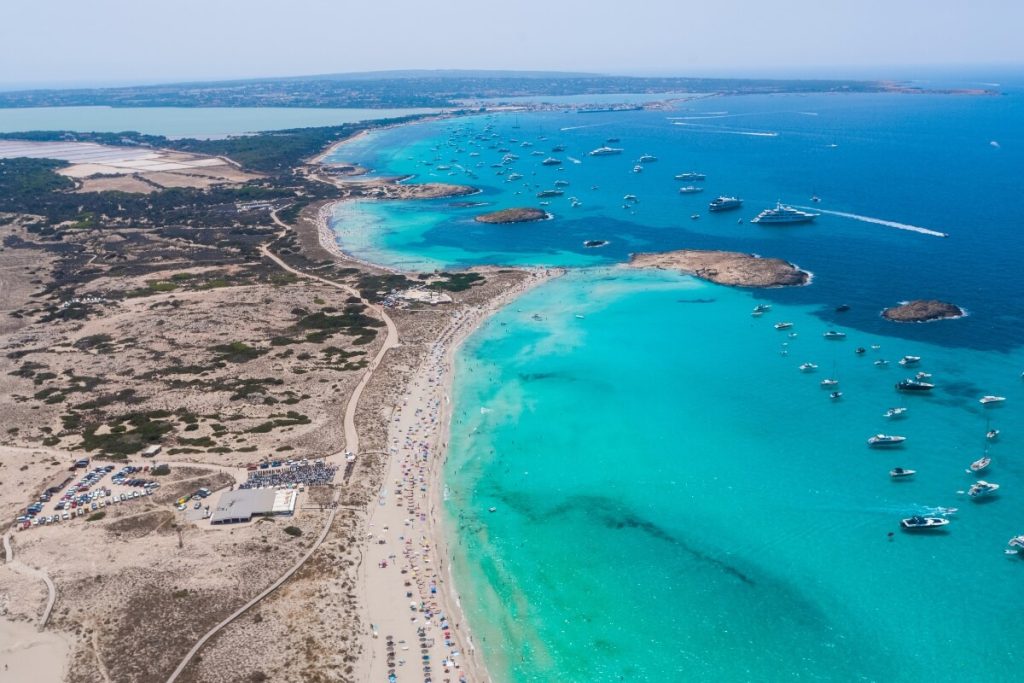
901 472
894 413
690 189
690 176
647 158
784 215
783 325
979 465
981 489
986 400
882 440
725 203
605 151
832 334
808 367
918 522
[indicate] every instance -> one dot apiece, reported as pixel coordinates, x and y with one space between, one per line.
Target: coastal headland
516 215
922 310
726 267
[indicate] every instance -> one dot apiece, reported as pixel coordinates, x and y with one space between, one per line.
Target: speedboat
551 161
881 362
725 204
647 158
860 351
918 523
910 360
923 376
638 169
783 326
895 412
630 198
986 400
690 176
883 440
836 395
690 189
979 465
901 472
832 334
1015 546
913 385
761 308
992 434
981 489
550 193
605 151
829 382
784 215
561 183
842 308
808 367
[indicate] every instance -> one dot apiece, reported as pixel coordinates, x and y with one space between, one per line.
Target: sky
93 42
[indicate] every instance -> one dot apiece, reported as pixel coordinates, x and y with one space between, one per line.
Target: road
351 439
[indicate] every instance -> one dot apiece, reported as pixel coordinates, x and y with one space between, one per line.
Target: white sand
29 655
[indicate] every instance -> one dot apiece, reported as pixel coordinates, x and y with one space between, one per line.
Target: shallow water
675 499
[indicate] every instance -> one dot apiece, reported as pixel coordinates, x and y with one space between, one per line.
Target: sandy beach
27 654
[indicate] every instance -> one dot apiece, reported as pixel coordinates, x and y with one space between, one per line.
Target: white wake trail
877 221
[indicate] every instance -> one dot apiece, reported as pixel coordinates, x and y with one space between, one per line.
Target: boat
1015 546
860 350
638 169
832 334
551 161
918 523
783 326
690 189
630 198
986 400
842 308
760 309
923 376
982 489
829 382
612 141
808 367
836 395
992 434
894 413
695 217
784 215
979 465
561 183
647 158
901 472
605 151
724 203
815 198
910 360
690 176
882 440
914 385
881 362
550 193
558 148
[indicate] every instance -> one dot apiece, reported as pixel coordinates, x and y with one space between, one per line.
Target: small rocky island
519 215
726 267
922 310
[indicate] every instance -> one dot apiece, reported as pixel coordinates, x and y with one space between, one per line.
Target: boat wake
700 128
877 221
588 125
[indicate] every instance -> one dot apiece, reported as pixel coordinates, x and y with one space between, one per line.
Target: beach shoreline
427 390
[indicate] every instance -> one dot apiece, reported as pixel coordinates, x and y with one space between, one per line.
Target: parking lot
289 473
87 490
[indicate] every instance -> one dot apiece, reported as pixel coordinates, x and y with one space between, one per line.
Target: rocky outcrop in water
726 267
922 310
518 215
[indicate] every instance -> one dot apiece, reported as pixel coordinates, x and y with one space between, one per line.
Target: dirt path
22 568
351 441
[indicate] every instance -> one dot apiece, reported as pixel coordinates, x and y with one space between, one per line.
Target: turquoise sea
674 499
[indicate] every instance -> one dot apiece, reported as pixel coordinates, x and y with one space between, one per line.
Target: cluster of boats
979 490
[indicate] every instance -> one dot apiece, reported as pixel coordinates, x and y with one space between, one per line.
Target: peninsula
726 267
922 310
517 215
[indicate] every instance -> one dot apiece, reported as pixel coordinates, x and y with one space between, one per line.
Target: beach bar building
237 507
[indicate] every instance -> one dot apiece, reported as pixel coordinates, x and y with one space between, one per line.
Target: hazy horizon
113 42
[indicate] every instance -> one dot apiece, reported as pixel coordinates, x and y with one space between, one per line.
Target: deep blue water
674 499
